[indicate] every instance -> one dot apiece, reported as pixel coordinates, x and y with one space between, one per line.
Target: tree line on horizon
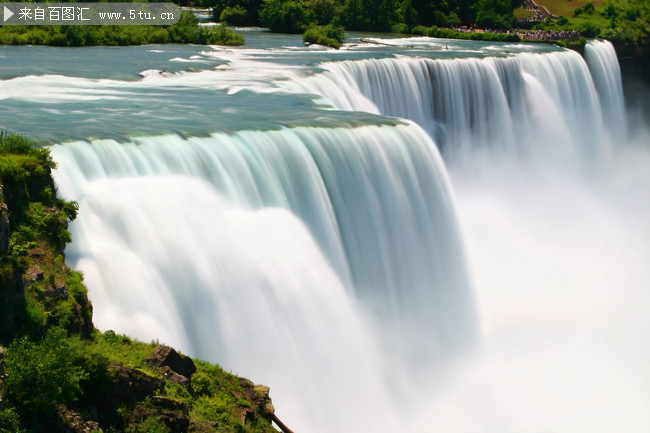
296 16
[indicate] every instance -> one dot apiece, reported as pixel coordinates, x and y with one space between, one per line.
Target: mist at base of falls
559 265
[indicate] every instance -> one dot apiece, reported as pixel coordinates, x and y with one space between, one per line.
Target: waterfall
328 262
526 103
603 64
275 252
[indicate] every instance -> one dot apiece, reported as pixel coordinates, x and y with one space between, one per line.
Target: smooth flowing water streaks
529 103
376 200
604 68
249 289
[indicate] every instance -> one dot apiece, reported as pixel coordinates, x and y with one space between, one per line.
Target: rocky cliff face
34 280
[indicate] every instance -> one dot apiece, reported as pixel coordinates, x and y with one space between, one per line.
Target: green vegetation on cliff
185 31
57 373
39 291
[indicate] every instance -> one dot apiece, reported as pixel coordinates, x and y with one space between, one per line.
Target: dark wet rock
166 356
134 385
173 377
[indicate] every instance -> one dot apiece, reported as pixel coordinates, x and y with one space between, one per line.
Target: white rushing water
337 266
225 271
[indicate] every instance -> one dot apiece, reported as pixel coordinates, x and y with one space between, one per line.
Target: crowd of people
550 35
535 18
463 29
531 35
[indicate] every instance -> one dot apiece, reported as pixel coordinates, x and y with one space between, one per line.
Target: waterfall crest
525 103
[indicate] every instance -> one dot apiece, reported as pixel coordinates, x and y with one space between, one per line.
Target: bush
236 15
42 374
9 422
588 9
589 30
329 35
222 35
399 28
436 32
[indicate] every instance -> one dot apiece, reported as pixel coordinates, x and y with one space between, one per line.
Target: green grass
566 7
119 349
522 13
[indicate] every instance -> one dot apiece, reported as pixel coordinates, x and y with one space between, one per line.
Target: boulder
134 385
173 377
166 356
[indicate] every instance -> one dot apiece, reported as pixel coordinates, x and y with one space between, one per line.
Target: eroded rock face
166 356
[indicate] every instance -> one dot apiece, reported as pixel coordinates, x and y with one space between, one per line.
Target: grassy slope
566 7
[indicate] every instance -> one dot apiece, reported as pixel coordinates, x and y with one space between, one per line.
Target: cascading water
603 64
526 103
317 250
226 260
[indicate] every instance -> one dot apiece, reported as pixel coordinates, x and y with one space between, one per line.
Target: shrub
235 15
42 374
222 35
589 30
329 35
9 422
